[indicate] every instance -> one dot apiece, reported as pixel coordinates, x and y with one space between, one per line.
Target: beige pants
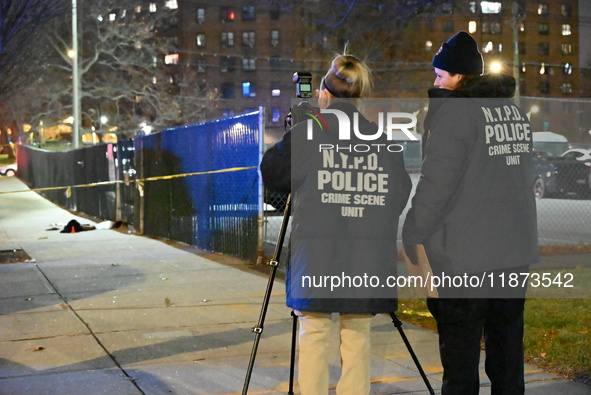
314 343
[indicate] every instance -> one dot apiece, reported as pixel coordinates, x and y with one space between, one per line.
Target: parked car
8 170
560 176
580 154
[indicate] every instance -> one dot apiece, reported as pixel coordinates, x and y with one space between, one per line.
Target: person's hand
411 252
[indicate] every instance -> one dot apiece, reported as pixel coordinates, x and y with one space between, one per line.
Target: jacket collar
484 86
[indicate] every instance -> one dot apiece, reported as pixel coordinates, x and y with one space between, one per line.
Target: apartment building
246 52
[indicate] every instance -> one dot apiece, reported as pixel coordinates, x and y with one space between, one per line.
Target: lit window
276 117
566 30
248 38
274 37
523 68
249 89
154 80
171 4
227 39
138 9
172 58
153 7
200 16
472 27
543 9
112 17
490 7
275 89
248 64
228 14
566 88
566 48
488 47
568 69
248 13
543 69
200 40
428 45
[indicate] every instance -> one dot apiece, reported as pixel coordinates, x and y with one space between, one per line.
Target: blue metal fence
197 184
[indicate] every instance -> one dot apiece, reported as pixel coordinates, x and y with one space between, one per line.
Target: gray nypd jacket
345 213
474 207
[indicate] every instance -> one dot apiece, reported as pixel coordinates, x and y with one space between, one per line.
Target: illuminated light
276 92
71 53
70 119
496 67
472 27
171 58
171 4
104 119
535 109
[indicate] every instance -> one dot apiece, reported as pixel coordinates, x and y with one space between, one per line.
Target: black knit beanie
459 55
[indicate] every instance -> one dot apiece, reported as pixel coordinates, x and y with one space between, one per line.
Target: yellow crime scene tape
140 182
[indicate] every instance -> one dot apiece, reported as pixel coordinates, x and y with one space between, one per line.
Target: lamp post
75 78
516 21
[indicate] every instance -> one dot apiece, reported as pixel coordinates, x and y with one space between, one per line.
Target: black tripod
258 329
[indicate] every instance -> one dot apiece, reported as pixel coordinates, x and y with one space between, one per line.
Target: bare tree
128 71
21 24
372 31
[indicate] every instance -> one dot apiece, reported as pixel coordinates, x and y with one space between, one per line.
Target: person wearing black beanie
474 211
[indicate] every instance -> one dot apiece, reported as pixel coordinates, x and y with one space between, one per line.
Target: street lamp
75 77
533 110
496 67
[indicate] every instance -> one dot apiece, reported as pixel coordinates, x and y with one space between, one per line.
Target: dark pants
461 324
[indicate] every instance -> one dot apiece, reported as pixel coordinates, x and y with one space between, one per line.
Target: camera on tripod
303 81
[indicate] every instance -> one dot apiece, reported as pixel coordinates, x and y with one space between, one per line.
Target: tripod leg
398 324
293 351
274 262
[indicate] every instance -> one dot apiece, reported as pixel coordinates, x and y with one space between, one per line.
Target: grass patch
557 330
558 336
4 160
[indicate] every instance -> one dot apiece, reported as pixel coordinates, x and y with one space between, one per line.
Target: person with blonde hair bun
331 237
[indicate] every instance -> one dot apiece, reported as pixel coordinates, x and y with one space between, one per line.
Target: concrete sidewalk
104 312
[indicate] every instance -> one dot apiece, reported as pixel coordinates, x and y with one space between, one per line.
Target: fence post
261 218
140 186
